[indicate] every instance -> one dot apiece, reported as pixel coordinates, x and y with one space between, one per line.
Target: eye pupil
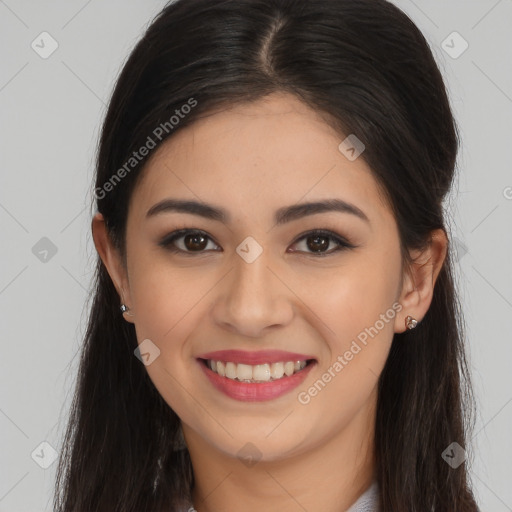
195 242
319 243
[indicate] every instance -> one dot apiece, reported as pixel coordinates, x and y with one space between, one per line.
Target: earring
124 308
410 322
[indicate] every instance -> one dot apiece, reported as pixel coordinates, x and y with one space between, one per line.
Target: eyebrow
282 215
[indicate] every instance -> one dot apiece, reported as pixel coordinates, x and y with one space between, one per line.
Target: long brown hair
364 65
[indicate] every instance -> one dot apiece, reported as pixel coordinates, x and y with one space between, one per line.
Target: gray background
51 110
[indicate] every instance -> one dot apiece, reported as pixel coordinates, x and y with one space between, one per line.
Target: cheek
355 303
168 302
351 298
165 299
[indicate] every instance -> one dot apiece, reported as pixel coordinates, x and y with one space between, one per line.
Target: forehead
250 156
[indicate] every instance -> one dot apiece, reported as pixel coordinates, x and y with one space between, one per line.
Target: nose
253 298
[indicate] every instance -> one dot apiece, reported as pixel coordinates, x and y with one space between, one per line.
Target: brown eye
187 241
317 242
195 242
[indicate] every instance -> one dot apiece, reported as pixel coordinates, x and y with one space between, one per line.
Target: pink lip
252 358
259 391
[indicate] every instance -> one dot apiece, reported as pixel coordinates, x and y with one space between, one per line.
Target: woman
274 322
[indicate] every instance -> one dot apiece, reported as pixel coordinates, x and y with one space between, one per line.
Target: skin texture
252 160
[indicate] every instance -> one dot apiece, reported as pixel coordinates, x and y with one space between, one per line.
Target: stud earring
410 322
124 308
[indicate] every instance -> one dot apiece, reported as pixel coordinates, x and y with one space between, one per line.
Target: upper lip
253 358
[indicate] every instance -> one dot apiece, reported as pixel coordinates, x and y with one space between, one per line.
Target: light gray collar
367 502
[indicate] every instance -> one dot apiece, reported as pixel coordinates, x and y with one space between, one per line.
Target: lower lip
258 391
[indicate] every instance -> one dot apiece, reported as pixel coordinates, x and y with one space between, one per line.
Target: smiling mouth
267 372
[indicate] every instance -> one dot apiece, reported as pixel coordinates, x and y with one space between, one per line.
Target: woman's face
255 289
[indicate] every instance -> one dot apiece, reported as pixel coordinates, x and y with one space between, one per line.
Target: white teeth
289 368
257 373
243 372
261 372
231 370
276 370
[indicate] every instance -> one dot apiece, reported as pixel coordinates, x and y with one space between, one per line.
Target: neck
328 477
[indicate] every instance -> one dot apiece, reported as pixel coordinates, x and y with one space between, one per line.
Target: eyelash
168 241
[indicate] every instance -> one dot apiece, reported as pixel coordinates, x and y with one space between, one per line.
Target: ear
418 284
113 262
